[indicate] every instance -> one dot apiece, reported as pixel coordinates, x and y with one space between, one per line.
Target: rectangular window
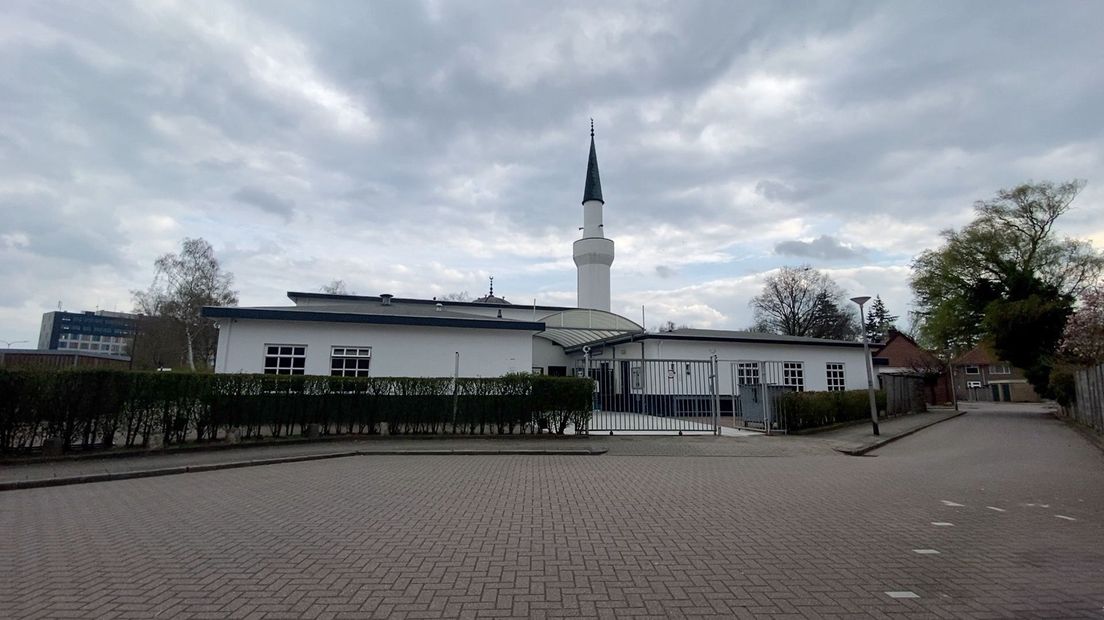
793 374
747 373
538 370
350 361
285 359
836 382
973 384
1000 369
973 370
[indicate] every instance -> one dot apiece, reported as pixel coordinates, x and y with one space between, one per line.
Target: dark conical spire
593 188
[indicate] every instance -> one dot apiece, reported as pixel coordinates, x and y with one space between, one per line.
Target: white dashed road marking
947 503
926 551
942 523
902 594
997 509
1065 517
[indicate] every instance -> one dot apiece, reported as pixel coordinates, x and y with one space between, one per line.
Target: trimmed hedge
805 410
102 408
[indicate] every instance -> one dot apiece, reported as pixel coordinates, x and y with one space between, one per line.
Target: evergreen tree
879 321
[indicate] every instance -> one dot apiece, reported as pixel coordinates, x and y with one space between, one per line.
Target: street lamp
11 342
869 363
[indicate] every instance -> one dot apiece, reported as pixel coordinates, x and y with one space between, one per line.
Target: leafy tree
801 301
336 287
183 284
1006 276
1083 336
879 321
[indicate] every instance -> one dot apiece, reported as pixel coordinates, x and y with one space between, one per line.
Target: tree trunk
191 346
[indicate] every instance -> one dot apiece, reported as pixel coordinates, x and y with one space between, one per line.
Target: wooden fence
904 394
1089 408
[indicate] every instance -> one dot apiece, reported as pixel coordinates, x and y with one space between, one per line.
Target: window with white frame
834 371
793 374
747 373
350 361
1000 369
973 370
285 359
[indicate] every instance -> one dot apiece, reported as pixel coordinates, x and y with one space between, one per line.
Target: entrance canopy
571 328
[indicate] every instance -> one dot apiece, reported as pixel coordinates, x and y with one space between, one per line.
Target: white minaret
593 253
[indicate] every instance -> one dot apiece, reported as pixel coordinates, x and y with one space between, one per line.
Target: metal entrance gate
754 388
664 396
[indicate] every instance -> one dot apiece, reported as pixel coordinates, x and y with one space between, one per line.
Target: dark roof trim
636 337
374 319
293 295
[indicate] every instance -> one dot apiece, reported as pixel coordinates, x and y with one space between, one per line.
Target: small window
793 374
557 371
747 373
973 384
1000 369
973 370
350 361
836 381
285 359
538 370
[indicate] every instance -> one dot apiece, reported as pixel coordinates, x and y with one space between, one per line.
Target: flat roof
293 295
722 335
379 315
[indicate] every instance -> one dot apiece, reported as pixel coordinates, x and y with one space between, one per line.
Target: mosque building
382 335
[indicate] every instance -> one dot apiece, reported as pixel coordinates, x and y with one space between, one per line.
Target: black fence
103 408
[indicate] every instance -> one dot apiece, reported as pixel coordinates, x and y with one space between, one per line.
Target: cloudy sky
417 148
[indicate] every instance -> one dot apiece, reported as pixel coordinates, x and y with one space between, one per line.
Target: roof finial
592 128
492 287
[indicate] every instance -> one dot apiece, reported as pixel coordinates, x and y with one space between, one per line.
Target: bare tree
183 284
460 296
801 301
336 287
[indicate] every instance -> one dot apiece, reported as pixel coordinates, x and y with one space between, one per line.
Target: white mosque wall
397 350
547 353
814 358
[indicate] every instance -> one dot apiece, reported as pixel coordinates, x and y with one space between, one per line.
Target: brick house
980 376
900 355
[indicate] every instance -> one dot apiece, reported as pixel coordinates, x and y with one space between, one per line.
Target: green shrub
805 410
90 408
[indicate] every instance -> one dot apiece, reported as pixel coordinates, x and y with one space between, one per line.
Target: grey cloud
664 271
824 247
266 201
879 121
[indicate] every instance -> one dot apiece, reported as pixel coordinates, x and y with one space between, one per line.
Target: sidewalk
855 439
858 439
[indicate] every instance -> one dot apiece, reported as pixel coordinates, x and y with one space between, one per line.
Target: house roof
899 350
378 314
720 335
980 355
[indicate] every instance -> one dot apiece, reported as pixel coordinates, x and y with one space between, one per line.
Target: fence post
715 401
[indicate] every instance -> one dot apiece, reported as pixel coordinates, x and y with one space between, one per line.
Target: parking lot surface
998 513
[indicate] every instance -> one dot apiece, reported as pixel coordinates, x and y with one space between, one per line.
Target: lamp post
869 363
11 342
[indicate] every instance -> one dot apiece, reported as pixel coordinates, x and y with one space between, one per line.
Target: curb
888 440
15 485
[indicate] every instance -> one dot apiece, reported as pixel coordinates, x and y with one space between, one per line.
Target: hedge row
103 408
805 410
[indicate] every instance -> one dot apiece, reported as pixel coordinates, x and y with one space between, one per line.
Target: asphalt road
998 513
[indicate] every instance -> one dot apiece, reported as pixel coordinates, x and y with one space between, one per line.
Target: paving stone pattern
806 535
